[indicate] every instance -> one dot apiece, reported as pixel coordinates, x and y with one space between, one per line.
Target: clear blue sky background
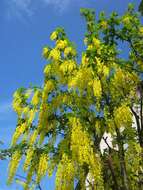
25 26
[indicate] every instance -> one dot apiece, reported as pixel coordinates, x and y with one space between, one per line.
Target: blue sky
25 26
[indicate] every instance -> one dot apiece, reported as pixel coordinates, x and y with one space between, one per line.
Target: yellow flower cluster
84 60
133 158
17 103
32 114
126 19
141 30
48 70
97 89
42 167
82 152
28 159
13 165
65 174
123 116
96 43
95 175
81 78
123 83
25 111
104 24
48 87
90 47
61 44
140 64
54 35
45 52
55 54
102 69
118 83
106 71
33 137
81 149
68 66
69 51
36 98
18 132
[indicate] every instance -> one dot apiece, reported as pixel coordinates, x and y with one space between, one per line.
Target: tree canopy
140 8
61 124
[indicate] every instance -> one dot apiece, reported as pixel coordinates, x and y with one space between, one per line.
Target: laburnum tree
62 123
140 8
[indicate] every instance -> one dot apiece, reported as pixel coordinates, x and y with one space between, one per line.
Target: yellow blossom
123 116
17 106
69 50
28 158
106 70
68 66
96 43
54 35
26 110
140 64
81 150
84 60
14 165
48 87
141 30
42 166
65 174
55 54
18 132
61 44
90 47
97 90
47 69
33 137
126 19
45 52
104 24
32 113
35 98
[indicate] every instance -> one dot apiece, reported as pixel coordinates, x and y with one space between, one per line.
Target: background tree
62 123
140 8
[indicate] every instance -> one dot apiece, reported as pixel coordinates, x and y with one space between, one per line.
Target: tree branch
24 178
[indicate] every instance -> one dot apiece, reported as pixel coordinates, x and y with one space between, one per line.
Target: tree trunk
124 177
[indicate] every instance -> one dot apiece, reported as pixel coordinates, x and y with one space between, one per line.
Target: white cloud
6 111
26 8
18 8
60 5
5 107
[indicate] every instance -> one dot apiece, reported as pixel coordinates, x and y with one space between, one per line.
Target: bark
124 177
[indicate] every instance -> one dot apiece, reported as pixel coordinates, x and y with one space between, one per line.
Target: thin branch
38 185
138 124
105 140
89 182
110 164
